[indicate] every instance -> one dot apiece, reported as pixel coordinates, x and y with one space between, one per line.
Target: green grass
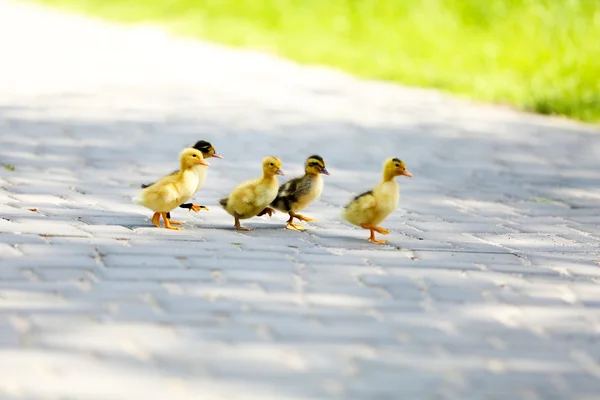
541 56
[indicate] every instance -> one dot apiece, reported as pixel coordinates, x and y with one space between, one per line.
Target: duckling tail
137 200
223 202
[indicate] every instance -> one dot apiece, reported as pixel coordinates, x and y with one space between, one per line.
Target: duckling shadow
364 242
229 227
358 239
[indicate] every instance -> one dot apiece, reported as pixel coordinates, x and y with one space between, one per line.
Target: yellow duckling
294 195
174 189
369 209
208 151
251 198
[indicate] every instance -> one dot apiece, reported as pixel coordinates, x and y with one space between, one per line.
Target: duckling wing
365 201
287 194
162 196
362 209
245 193
242 199
145 185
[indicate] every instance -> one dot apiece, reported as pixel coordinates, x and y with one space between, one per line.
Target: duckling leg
267 210
168 222
372 238
374 229
381 230
303 218
237 224
171 221
290 223
156 219
198 207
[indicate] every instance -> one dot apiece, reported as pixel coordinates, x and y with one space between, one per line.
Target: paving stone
47 228
11 238
11 274
109 231
525 270
65 274
239 263
56 250
7 250
256 276
9 336
39 262
140 261
157 274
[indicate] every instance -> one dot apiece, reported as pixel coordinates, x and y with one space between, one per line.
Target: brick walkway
489 288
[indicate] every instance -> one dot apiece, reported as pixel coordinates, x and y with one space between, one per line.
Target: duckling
251 198
208 151
370 208
173 189
294 195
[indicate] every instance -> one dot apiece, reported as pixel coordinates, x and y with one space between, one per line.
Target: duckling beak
279 172
324 171
406 173
204 162
215 155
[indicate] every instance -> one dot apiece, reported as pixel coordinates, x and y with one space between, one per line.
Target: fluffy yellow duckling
251 198
208 151
174 189
294 195
369 209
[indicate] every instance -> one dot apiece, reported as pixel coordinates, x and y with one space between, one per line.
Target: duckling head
271 166
190 157
393 167
207 149
315 165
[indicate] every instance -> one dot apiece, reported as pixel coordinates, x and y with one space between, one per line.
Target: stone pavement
489 288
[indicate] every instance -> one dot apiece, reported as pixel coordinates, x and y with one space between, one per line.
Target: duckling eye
397 165
271 164
193 155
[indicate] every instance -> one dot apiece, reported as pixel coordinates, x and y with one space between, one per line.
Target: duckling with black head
174 189
208 151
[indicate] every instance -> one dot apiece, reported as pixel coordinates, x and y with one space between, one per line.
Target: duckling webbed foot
170 220
373 229
267 210
156 219
198 207
168 223
381 230
372 239
303 218
239 226
292 226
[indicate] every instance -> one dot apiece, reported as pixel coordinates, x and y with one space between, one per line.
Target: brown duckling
296 194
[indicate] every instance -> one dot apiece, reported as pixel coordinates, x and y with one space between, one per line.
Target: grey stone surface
488 288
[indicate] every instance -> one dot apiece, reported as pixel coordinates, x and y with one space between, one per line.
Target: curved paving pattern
488 289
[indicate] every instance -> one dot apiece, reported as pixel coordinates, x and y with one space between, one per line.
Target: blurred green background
537 55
